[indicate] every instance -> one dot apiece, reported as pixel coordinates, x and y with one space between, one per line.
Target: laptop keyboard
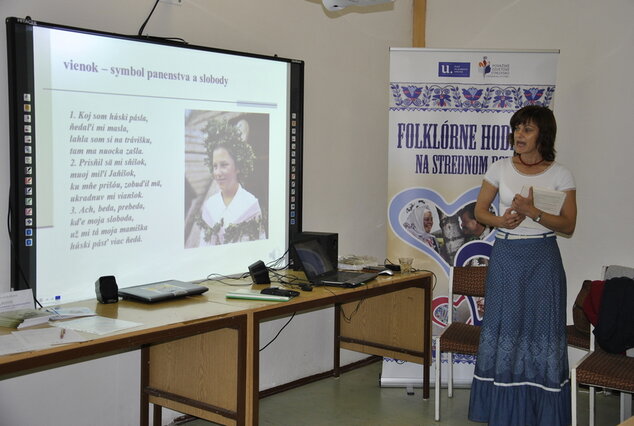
354 277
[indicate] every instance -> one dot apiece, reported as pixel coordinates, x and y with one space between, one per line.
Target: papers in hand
547 200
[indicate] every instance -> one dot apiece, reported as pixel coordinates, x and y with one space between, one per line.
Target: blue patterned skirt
521 373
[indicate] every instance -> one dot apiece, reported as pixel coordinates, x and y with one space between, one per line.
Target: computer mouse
386 272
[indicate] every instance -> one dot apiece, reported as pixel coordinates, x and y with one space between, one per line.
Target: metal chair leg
573 396
592 398
626 406
437 396
450 374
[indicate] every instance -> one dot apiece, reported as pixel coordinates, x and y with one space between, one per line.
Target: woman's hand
511 219
525 205
564 223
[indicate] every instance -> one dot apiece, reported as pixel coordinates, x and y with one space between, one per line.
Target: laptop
319 269
162 290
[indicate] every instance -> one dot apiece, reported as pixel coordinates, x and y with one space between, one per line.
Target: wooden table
389 316
215 327
218 340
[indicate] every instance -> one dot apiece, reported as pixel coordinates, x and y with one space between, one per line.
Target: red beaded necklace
527 164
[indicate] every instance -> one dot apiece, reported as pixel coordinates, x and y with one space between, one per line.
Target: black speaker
107 290
327 240
259 273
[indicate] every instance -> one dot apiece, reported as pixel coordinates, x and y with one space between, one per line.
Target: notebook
320 271
162 290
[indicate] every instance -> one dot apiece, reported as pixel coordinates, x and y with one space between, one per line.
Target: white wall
593 106
346 93
103 391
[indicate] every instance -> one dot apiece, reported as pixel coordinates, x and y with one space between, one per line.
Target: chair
602 369
578 334
458 337
577 338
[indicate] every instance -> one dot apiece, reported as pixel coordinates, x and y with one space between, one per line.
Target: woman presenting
521 373
232 214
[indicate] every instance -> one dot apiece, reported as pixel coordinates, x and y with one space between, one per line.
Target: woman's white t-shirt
503 175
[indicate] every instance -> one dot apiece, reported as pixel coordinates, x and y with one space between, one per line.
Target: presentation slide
131 175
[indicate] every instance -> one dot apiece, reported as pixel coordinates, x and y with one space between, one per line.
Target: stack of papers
39 338
23 318
546 200
65 313
96 325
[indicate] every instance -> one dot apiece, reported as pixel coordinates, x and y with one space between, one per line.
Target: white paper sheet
41 338
97 325
14 300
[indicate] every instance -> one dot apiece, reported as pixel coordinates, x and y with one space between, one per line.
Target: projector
342 4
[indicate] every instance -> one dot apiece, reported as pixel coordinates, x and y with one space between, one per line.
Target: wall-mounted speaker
107 290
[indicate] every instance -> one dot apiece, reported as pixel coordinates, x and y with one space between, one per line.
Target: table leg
157 415
337 346
145 381
427 342
255 372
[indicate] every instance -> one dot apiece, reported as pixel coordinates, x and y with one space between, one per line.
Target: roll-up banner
449 112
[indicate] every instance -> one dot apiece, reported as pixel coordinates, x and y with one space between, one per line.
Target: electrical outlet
176 2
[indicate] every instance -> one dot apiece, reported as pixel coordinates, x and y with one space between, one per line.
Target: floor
355 399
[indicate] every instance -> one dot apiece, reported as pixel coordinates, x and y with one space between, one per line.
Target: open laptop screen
313 258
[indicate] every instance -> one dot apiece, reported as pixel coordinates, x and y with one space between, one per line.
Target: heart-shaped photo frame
422 218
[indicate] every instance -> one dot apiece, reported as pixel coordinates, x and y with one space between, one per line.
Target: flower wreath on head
221 134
